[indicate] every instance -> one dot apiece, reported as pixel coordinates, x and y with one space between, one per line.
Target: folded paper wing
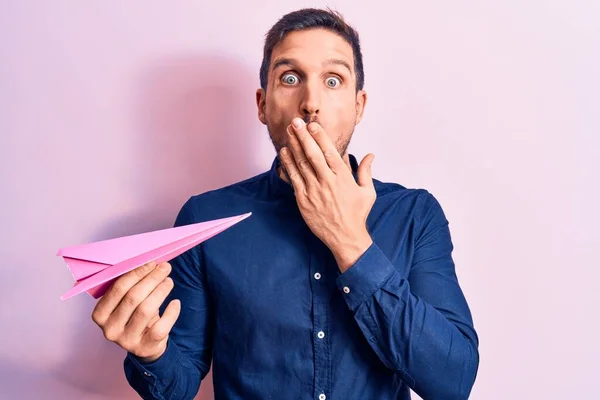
95 266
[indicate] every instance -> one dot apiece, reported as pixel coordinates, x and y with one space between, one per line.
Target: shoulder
223 202
419 198
417 204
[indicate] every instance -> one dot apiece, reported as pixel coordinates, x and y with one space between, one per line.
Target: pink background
112 115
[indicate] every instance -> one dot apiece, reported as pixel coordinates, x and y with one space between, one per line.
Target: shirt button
322 396
321 334
346 289
317 276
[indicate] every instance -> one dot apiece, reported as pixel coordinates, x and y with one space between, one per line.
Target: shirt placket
321 323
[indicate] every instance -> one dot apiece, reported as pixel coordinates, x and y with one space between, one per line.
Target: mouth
308 119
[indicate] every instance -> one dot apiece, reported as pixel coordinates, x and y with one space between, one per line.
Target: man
338 286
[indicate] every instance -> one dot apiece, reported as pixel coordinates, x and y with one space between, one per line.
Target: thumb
365 178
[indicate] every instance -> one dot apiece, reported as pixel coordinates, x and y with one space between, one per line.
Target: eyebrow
290 62
337 61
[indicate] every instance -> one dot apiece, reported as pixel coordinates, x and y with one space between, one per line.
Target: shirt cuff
158 369
365 276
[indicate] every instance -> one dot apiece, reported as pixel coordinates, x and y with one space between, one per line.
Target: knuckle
145 311
326 181
304 163
312 158
149 265
130 299
142 271
156 334
96 317
120 286
157 276
111 334
329 153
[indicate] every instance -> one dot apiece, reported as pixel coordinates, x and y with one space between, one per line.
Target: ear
261 104
361 102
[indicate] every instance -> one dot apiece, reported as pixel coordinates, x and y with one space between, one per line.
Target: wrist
346 254
147 359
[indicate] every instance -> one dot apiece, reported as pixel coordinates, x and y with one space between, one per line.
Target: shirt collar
280 187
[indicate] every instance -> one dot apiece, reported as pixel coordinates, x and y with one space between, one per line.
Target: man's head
312 68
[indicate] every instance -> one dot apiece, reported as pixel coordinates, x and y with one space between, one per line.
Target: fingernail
297 122
312 128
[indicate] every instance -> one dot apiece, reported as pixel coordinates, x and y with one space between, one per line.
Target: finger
288 162
302 162
347 162
113 296
312 149
365 175
134 297
148 309
163 326
153 321
331 156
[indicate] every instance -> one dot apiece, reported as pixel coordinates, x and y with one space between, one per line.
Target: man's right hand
128 311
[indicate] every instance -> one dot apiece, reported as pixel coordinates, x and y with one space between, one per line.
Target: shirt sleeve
177 374
420 327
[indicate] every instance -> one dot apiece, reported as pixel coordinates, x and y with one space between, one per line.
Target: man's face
312 76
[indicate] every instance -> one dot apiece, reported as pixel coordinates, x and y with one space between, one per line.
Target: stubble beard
281 141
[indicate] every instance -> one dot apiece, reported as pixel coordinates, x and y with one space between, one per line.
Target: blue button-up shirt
266 304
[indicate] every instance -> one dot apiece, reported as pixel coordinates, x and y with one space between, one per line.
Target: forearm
435 354
177 374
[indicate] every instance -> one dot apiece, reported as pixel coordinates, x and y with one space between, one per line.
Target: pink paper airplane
95 266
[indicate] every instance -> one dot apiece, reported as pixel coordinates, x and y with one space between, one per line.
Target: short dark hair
308 18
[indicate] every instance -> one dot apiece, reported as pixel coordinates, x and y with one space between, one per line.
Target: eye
289 79
333 82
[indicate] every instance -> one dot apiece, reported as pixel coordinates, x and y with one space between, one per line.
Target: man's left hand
333 204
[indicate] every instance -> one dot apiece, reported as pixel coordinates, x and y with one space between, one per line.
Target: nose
311 100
